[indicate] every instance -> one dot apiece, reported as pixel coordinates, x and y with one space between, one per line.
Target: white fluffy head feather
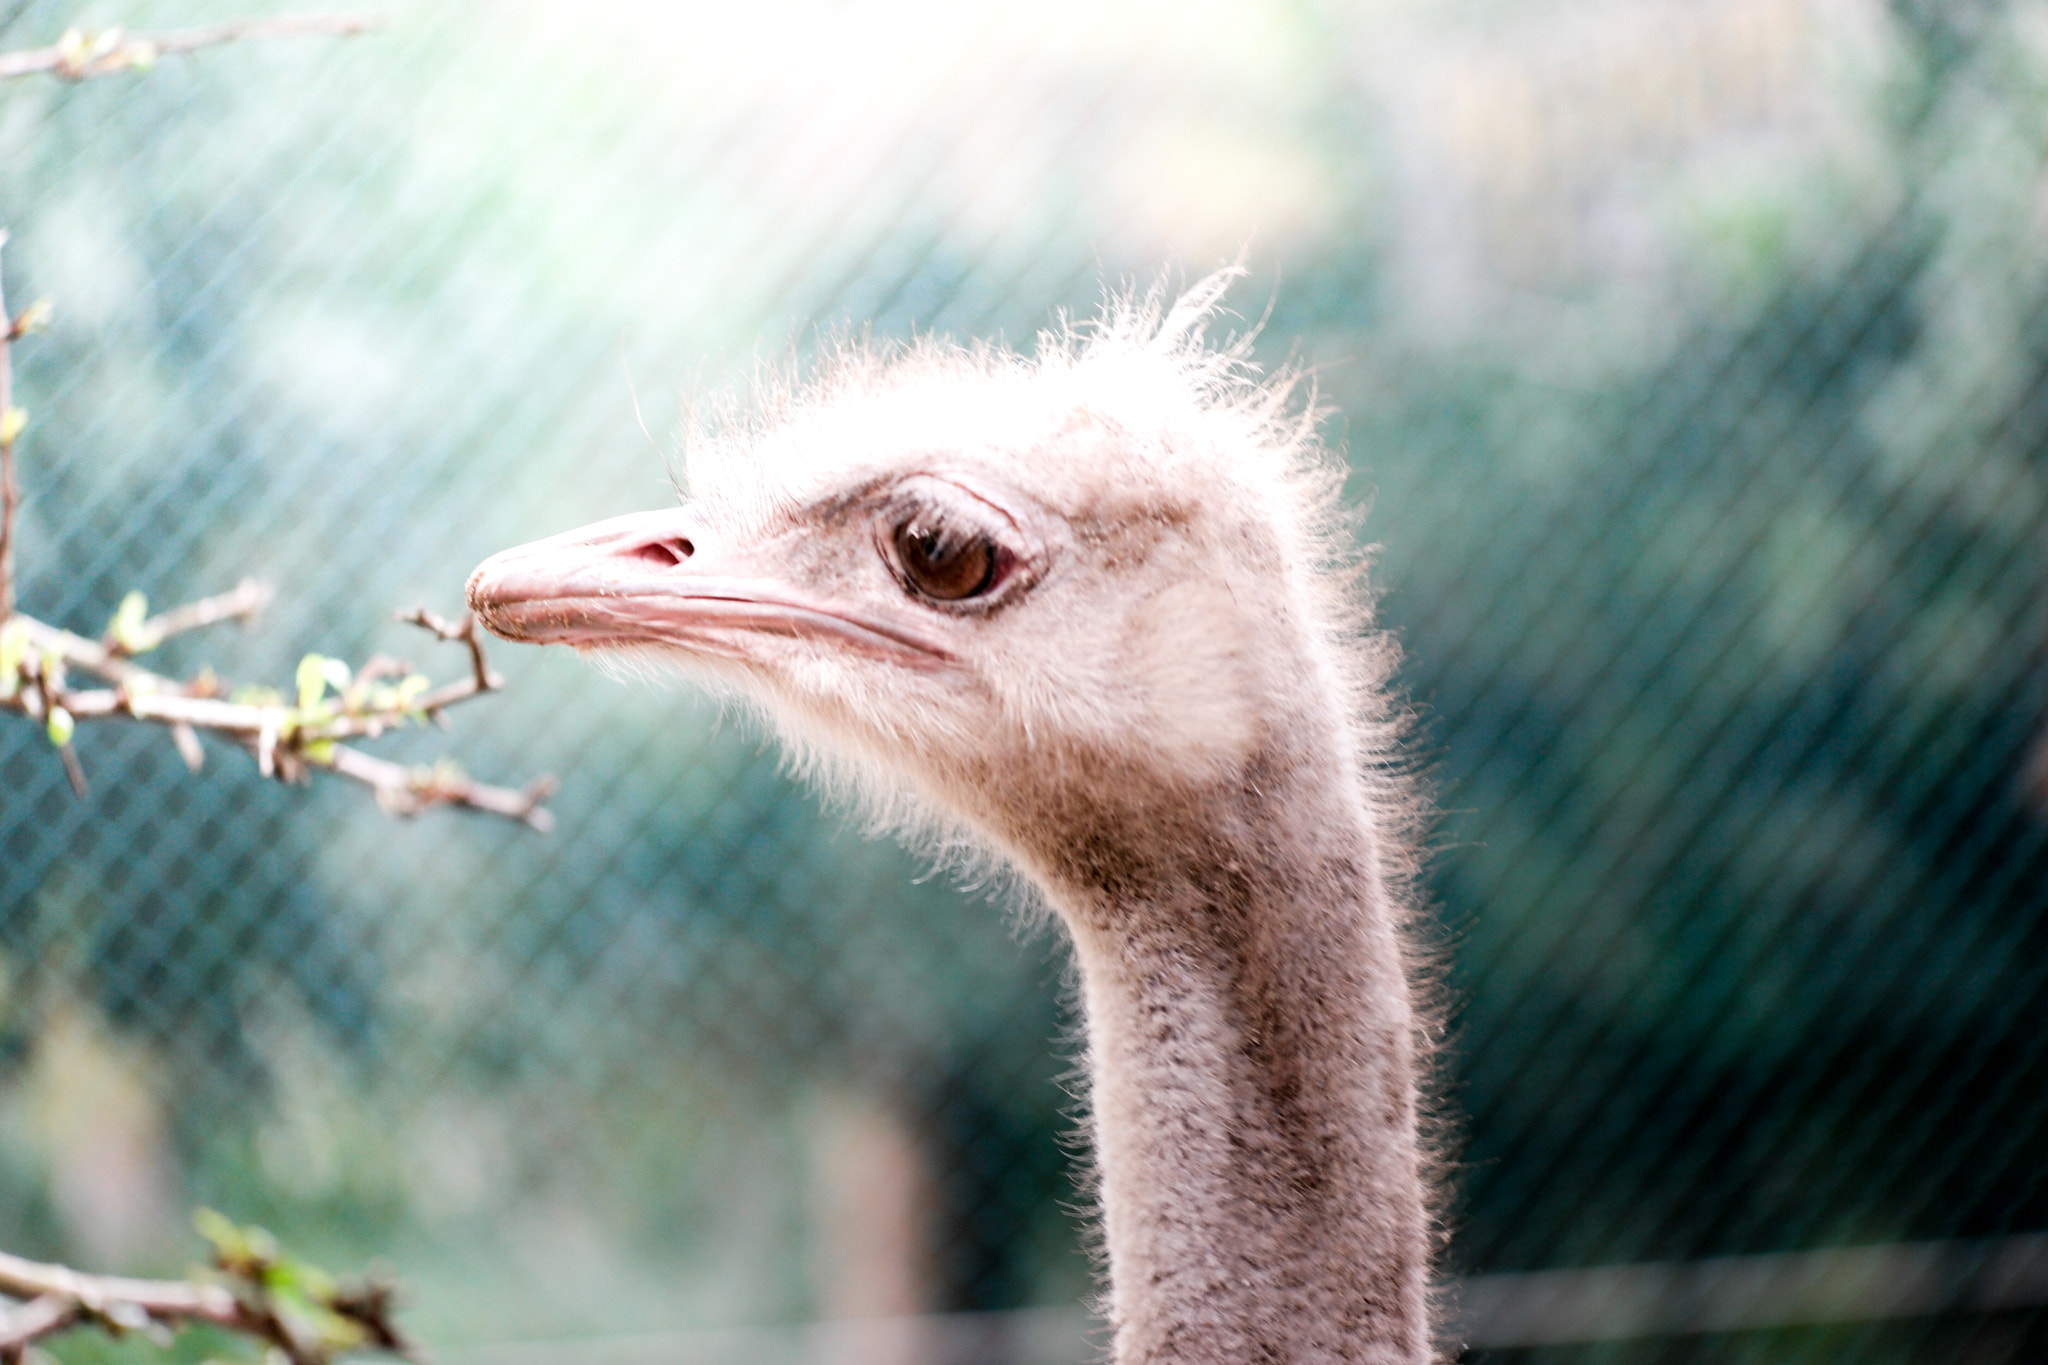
1185 569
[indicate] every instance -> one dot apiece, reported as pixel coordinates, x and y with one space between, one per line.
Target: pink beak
651 578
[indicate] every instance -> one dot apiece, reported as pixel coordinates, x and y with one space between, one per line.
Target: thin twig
486 680
80 56
38 1318
481 678
10 491
57 1297
284 743
166 1301
239 604
186 740
285 740
74 771
404 790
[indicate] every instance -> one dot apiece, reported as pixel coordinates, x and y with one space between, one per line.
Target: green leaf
248 1252
12 423
126 627
311 681
303 1278
13 650
219 1230
61 726
33 318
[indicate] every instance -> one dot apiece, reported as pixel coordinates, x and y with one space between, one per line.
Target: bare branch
286 740
239 604
167 1301
404 790
186 740
485 680
74 771
80 55
56 1297
40 1317
10 431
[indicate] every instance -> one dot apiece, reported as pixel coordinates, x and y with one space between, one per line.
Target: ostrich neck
1251 1047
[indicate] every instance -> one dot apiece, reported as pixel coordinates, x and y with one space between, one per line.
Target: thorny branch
81 54
253 1289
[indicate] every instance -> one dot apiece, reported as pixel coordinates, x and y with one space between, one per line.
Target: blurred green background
1691 357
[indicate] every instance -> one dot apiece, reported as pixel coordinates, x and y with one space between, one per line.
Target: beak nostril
665 553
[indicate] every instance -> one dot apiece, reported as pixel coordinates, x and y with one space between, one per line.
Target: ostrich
1088 615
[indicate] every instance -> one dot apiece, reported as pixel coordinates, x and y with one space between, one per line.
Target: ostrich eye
947 564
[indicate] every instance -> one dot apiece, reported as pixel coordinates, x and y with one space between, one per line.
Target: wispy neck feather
1252 1048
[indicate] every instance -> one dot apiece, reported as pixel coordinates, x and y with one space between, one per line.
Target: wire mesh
1693 361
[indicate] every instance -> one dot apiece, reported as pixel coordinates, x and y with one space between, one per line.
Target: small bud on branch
82 54
251 1287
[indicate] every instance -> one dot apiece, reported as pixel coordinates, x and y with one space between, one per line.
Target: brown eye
944 564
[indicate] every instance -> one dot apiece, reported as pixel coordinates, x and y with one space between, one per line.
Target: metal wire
1691 357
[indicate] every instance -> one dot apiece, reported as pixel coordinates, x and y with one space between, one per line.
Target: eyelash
930 524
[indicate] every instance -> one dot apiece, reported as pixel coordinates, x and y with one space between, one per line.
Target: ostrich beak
652 578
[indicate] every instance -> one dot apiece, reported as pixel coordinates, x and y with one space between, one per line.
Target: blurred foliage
1690 357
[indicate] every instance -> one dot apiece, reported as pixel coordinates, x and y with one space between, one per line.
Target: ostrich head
1084 611
1016 590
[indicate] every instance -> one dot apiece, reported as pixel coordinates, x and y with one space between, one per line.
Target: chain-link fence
1692 356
